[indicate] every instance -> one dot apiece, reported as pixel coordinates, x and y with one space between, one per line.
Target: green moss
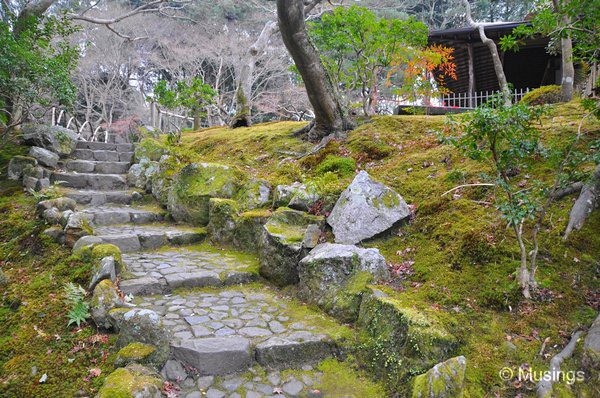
106 249
543 95
341 380
151 149
135 352
126 383
335 164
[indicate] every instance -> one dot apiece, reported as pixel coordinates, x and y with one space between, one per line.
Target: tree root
569 190
588 200
544 387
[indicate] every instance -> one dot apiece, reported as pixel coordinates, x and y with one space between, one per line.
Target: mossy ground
34 337
463 275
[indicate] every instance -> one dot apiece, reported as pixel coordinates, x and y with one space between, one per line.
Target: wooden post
152 114
472 102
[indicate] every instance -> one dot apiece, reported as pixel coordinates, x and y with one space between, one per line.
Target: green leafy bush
79 309
543 95
337 164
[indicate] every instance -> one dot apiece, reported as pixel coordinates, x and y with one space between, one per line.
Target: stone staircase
234 334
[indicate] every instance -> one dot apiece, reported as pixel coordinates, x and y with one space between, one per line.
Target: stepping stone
102 155
99 198
91 181
102 146
220 334
131 238
110 215
92 166
214 356
192 268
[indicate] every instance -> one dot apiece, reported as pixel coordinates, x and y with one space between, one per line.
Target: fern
79 308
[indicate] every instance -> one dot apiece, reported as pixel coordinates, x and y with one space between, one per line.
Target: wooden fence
466 101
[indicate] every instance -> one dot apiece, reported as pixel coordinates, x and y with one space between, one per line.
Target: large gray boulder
365 209
20 166
281 247
44 156
444 380
334 277
57 139
194 186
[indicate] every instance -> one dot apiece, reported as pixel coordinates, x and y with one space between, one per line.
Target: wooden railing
168 121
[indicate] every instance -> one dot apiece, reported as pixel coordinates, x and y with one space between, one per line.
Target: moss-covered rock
334 277
105 250
136 352
255 194
444 380
61 204
143 326
281 247
140 174
402 341
543 95
57 139
192 188
151 149
160 182
133 381
222 219
18 166
105 298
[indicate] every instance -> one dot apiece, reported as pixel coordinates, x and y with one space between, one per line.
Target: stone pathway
235 336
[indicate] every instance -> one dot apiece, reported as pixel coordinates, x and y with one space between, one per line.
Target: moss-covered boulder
296 196
18 167
132 381
151 149
334 277
136 352
281 247
401 341
105 298
194 186
444 380
140 174
255 194
160 182
229 227
143 326
57 139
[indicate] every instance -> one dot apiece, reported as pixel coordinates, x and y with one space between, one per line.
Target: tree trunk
329 116
568 70
566 53
243 94
491 45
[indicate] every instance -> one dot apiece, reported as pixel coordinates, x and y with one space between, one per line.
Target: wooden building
528 68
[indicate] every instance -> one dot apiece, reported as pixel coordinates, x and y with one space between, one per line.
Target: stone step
103 146
99 198
93 166
110 215
225 332
162 272
90 181
259 383
131 238
102 155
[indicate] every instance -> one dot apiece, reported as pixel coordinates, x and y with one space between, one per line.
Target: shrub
336 164
543 95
